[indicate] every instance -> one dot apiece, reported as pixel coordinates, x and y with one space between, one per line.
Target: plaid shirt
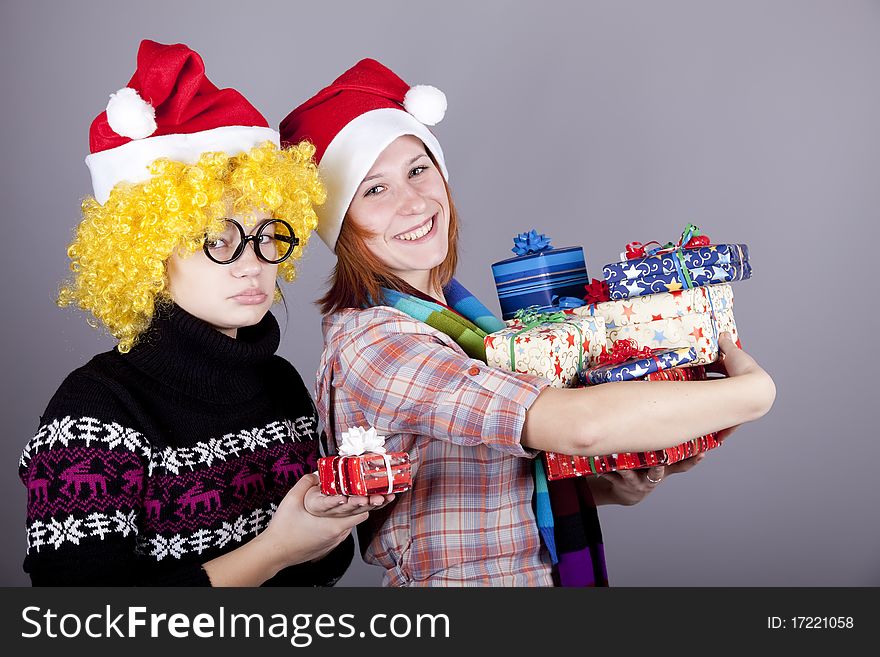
468 519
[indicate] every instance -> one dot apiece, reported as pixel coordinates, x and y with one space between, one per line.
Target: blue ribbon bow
531 242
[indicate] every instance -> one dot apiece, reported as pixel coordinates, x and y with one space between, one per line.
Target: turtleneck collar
185 353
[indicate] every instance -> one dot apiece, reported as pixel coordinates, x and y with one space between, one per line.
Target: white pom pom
129 115
425 103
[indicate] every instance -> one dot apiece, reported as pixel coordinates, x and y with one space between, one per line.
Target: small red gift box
562 466
365 474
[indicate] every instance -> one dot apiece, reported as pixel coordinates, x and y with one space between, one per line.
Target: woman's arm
637 416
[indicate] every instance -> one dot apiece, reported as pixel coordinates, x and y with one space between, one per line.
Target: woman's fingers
655 474
337 506
726 343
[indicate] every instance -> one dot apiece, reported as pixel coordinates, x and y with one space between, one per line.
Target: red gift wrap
365 474
562 466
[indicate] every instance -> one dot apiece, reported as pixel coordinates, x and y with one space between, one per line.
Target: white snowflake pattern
89 429
250 439
224 534
306 426
211 450
125 522
188 458
25 457
201 540
239 529
169 460
36 533
255 521
98 524
66 430
231 443
277 431
38 440
73 530
115 432
133 441
69 530
173 546
59 431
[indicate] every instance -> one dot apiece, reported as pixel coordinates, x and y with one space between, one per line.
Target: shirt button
473 371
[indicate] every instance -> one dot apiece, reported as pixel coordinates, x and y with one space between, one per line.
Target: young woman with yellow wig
404 353
184 455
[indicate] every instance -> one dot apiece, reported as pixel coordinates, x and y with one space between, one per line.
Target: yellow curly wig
118 255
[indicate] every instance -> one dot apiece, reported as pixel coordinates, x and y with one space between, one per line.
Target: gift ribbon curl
622 351
690 239
532 318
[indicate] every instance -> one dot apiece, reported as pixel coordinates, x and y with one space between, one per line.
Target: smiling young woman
361 271
407 358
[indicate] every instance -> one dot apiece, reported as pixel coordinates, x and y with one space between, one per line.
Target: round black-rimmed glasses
273 242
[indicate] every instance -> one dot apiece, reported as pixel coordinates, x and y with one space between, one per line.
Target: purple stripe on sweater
226 490
67 480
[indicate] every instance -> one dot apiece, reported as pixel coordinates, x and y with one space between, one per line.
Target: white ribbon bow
357 441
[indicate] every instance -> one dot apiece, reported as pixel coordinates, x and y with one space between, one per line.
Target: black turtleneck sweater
148 464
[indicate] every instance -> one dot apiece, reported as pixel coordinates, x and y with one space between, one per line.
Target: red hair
358 277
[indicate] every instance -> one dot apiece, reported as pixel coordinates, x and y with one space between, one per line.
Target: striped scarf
564 509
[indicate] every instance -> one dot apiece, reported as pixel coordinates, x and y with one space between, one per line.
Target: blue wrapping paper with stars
636 368
677 269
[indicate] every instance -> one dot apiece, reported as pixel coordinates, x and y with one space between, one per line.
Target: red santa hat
171 110
351 122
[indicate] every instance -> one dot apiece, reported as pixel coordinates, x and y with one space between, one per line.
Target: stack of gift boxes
655 316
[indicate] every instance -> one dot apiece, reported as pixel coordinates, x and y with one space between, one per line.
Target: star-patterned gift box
562 466
684 318
552 345
636 368
677 269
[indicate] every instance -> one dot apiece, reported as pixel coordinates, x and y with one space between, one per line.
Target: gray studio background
598 123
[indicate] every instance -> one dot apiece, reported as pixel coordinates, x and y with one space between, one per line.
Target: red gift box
562 466
365 474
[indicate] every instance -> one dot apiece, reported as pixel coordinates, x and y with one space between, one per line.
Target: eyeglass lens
273 242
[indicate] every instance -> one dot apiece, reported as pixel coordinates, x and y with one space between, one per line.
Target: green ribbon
532 318
684 275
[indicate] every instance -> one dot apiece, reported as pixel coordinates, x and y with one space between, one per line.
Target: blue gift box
537 274
677 269
636 368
